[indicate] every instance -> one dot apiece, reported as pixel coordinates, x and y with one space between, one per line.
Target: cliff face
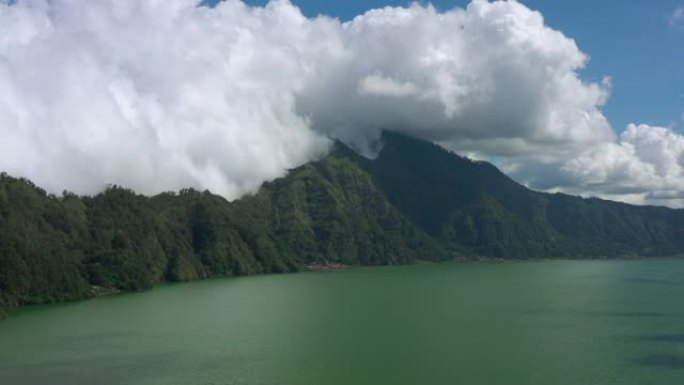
414 201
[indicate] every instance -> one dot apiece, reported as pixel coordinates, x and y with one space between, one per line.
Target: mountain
473 207
415 201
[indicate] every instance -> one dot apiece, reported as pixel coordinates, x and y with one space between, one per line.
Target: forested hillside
57 248
473 207
415 201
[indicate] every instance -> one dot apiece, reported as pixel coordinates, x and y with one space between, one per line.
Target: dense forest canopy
415 201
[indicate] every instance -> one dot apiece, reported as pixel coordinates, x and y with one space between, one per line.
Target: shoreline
328 266
103 291
99 292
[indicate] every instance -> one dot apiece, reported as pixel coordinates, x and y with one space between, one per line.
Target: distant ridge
473 207
415 201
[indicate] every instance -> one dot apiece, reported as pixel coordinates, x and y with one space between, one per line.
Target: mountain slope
415 201
55 249
473 206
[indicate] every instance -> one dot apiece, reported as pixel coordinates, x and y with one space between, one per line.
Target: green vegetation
416 201
474 208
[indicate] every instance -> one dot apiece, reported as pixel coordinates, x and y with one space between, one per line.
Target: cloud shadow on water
628 314
664 361
674 338
656 281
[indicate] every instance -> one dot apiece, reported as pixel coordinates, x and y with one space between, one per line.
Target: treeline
415 201
64 248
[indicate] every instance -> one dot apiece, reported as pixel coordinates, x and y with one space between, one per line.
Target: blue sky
633 42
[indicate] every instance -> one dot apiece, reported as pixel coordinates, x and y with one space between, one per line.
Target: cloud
385 87
490 78
153 95
161 95
645 165
677 18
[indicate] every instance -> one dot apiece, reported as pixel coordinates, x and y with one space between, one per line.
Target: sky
580 97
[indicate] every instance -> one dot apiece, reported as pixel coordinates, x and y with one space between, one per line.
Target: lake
549 322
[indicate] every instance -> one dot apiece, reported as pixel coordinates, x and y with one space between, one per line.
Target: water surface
566 322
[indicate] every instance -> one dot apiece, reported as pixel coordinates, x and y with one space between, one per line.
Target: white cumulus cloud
491 77
153 95
647 160
382 86
645 165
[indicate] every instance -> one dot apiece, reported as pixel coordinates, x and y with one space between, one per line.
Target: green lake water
564 322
